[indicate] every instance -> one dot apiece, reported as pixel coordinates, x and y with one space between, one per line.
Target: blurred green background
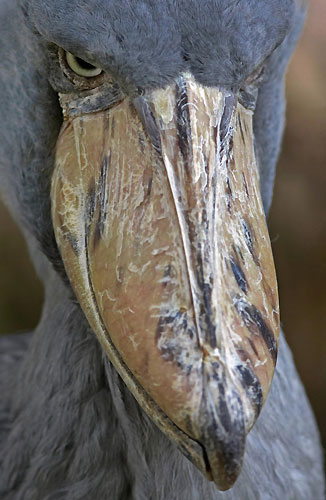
297 224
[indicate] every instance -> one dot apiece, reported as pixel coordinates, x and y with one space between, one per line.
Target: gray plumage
70 429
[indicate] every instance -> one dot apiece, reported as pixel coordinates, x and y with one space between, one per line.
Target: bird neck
64 420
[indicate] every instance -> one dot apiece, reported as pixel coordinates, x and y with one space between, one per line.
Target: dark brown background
297 224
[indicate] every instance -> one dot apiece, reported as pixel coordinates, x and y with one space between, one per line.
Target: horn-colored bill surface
167 249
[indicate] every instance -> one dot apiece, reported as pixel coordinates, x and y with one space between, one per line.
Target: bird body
70 427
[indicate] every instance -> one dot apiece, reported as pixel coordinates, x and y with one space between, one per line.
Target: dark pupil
83 64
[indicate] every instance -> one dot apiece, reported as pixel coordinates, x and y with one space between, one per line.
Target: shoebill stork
138 147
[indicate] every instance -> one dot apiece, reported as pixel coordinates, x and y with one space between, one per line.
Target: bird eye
81 67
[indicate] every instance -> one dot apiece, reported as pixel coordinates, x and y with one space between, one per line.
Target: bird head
152 151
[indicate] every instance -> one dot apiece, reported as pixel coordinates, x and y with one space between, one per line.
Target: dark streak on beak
183 121
146 115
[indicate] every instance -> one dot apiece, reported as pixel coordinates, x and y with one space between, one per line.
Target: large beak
159 220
